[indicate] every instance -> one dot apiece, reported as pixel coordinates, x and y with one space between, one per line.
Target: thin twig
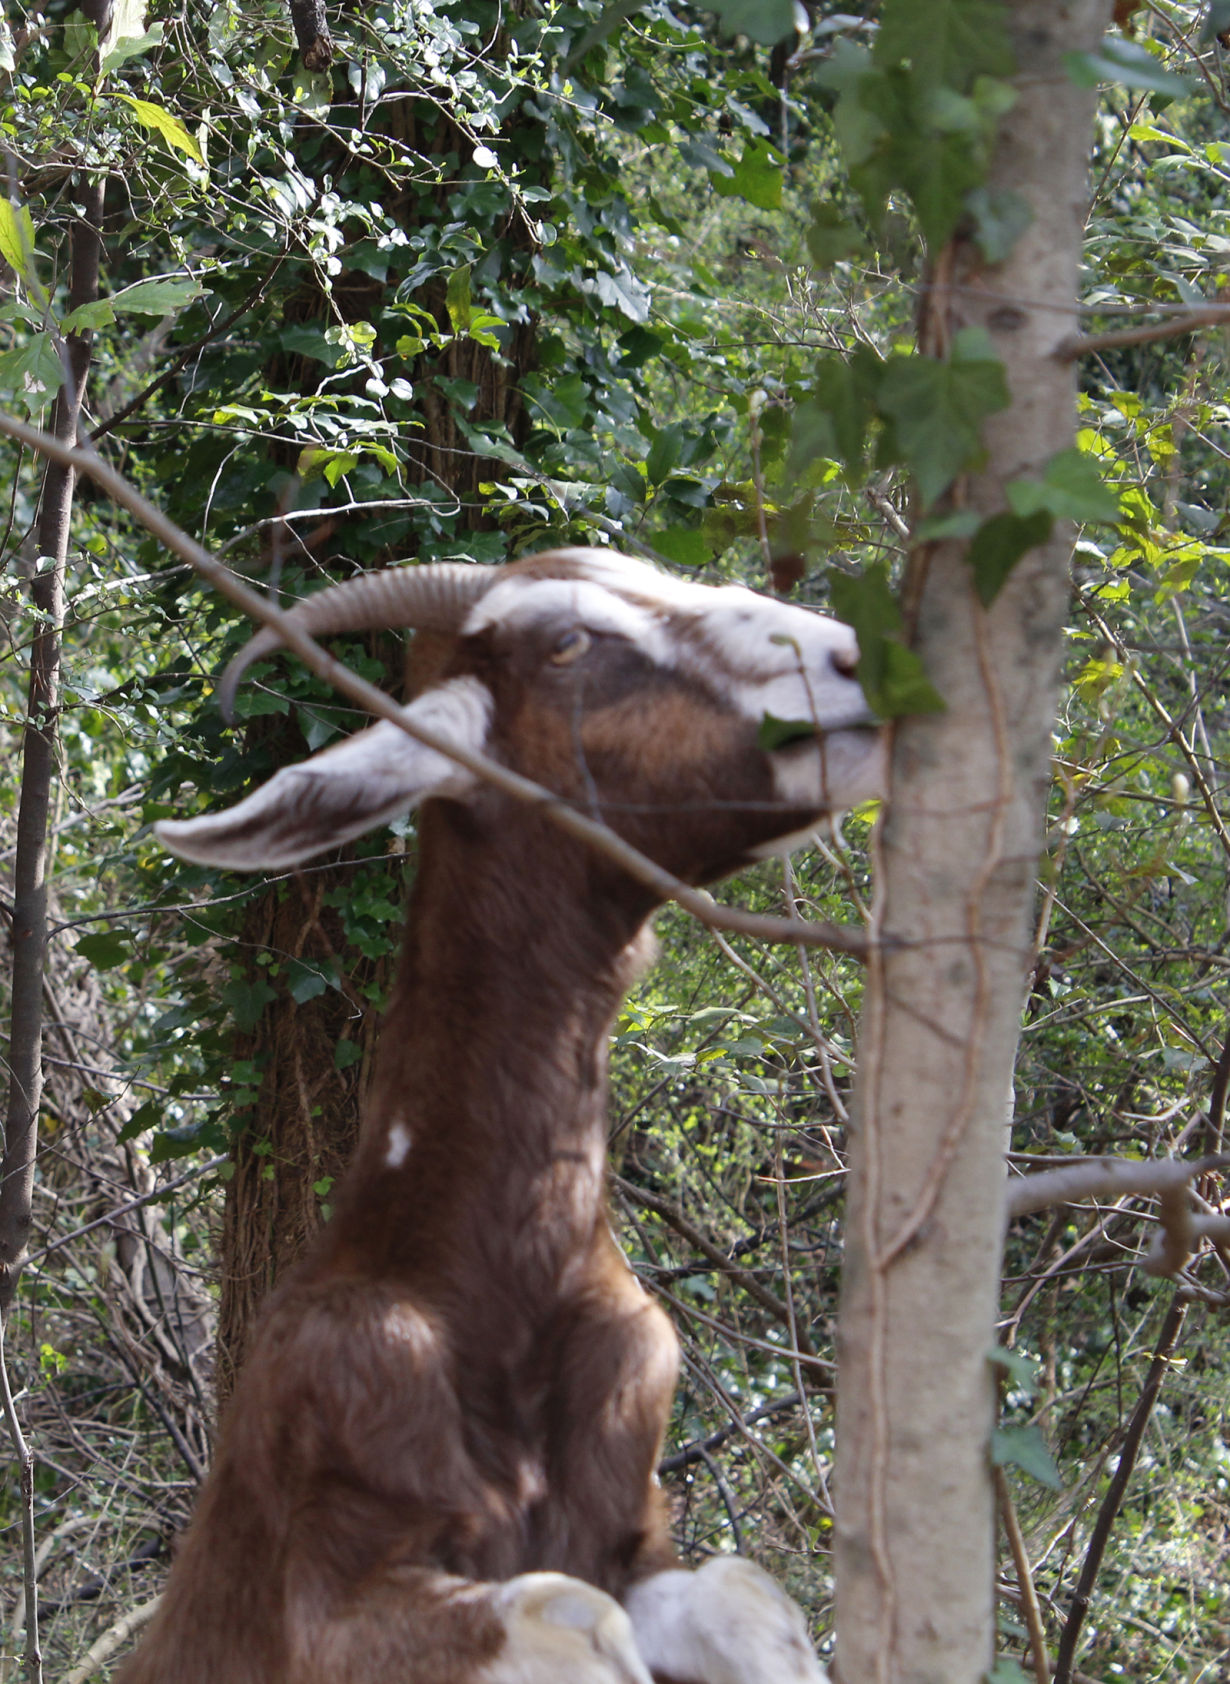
25 1463
665 886
1172 1325
1030 1605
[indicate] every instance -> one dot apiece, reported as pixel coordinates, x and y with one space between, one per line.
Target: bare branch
1170 1179
25 1463
702 906
1085 344
115 1637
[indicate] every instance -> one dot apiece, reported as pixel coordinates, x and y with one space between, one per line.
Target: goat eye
571 646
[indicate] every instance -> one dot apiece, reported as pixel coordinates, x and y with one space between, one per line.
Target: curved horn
436 597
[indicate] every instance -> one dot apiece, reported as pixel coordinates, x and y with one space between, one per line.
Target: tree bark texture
958 849
29 929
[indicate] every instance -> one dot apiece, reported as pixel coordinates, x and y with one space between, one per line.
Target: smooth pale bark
915 1537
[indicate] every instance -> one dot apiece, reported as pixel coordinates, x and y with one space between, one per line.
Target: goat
438 1464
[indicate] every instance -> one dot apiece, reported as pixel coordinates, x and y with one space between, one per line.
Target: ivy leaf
836 420
1071 488
246 1001
938 409
1023 1369
893 678
156 117
1000 218
947 43
766 21
757 177
999 544
1025 1448
1130 63
305 981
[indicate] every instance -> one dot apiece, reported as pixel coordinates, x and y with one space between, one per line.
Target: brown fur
463 1378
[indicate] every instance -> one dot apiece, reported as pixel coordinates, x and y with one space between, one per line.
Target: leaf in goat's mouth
776 733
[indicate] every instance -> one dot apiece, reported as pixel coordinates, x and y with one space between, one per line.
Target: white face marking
399 1146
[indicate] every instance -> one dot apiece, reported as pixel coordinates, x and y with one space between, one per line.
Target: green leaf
156 117
88 318
893 678
190 1137
938 409
147 1116
131 46
999 544
345 1054
831 237
757 177
246 1001
836 420
457 298
306 982
687 546
766 21
17 241
1008 1671
1071 488
947 43
776 733
664 453
1023 1369
1130 63
105 950
161 295
1025 1448
33 373
1000 218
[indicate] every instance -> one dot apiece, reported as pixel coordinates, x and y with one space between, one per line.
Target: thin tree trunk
915 1538
37 776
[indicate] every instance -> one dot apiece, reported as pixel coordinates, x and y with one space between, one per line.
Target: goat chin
438 1464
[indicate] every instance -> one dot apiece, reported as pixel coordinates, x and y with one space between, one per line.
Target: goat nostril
845 661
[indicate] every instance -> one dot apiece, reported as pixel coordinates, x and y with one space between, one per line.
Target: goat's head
639 696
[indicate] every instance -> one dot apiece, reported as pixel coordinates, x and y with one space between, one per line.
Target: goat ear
344 790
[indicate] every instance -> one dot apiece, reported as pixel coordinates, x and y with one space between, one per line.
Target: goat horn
436 597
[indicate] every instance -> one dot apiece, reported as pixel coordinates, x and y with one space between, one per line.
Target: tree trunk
38 774
915 1539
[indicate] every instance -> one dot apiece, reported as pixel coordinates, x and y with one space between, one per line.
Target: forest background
460 282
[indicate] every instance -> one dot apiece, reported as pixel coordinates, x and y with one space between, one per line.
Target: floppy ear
344 790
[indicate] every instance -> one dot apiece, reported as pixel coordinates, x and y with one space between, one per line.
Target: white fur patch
398 1149
520 601
728 1623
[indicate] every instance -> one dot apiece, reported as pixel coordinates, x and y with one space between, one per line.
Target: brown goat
438 1465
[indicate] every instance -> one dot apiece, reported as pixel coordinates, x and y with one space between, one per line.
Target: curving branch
1180 1229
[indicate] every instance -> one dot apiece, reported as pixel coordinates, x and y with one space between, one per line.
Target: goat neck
487 1117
